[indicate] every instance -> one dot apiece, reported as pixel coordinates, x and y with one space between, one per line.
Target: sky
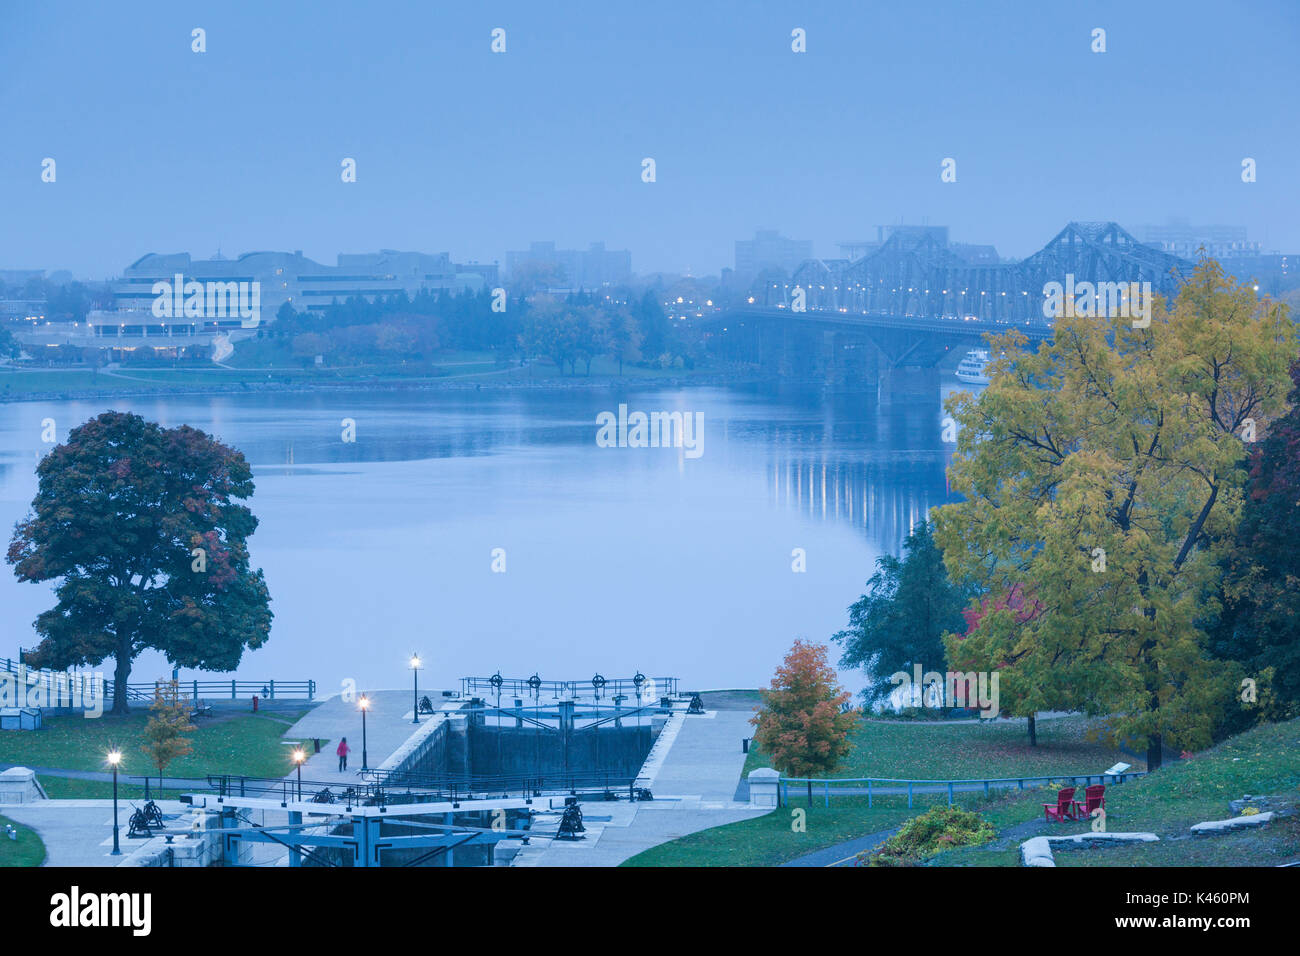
459 149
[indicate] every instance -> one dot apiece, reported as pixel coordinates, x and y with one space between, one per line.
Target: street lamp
415 689
298 757
114 758
364 704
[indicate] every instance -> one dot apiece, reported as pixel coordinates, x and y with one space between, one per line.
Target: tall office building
590 268
769 249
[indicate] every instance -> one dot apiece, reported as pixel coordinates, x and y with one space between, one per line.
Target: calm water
617 559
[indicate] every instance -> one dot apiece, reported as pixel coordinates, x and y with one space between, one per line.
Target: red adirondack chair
1093 797
1063 809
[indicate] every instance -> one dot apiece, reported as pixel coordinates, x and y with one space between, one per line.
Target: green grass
71 788
902 750
27 850
1262 761
246 744
771 839
920 751
259 363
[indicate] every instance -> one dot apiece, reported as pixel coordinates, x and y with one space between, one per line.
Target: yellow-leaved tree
1102 476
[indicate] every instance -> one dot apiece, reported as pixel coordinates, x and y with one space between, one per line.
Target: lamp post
298 757
114 758
415 688
364 704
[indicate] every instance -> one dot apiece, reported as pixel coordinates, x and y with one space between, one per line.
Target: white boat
971 368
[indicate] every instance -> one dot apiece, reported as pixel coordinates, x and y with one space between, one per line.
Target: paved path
80 832
693 782
388 725
841 854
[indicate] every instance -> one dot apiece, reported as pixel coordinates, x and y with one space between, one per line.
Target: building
305 284
591 268
1179 238
770 250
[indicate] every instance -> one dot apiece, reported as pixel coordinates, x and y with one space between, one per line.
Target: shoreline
385 385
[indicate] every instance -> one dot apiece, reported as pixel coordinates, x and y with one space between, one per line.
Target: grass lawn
260 362
884 749
770 840
248 744
1263 761
27 850
921 751
69 788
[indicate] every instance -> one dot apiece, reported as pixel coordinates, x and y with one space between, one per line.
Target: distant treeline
571 330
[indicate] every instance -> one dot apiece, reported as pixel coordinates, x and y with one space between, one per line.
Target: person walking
343 751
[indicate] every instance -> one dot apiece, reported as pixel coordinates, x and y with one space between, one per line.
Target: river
616 558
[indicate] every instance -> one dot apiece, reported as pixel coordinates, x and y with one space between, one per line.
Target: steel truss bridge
915 302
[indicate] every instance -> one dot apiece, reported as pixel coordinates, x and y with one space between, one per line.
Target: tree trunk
121 674
1033 731
1154 752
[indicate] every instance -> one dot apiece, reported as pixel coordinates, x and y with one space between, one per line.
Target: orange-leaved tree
802 724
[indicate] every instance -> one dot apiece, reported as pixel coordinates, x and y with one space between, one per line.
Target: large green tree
143 529
1102 473
909 604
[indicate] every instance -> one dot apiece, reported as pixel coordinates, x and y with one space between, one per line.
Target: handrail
520 687
851 786
269 689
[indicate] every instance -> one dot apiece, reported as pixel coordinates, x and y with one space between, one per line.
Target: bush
940 828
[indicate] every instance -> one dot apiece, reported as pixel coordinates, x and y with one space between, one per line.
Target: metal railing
458 787
872 787
392 788
269 689
652 688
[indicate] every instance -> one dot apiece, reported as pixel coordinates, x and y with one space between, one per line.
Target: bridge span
916 303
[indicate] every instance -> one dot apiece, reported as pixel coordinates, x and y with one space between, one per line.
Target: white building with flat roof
305 284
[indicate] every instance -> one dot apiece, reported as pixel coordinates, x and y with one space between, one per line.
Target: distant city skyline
245 146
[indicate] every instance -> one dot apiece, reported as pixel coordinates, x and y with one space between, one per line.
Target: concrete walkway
80 832
388 725
841 854
693 783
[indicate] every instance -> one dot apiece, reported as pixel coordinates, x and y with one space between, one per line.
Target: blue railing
872 787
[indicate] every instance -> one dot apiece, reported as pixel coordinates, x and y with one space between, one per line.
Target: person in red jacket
343 752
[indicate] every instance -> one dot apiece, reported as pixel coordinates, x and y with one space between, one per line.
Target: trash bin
254 703
744 745
316 743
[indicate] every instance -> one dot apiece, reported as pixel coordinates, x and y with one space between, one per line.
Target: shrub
940 828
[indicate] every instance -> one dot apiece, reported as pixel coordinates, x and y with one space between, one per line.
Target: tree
622 337
169 718
1102 474
992 632
9 347
802 723
1260 625
655 331
143 529
909 604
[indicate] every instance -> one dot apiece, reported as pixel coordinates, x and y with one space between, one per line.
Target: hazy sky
160 149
